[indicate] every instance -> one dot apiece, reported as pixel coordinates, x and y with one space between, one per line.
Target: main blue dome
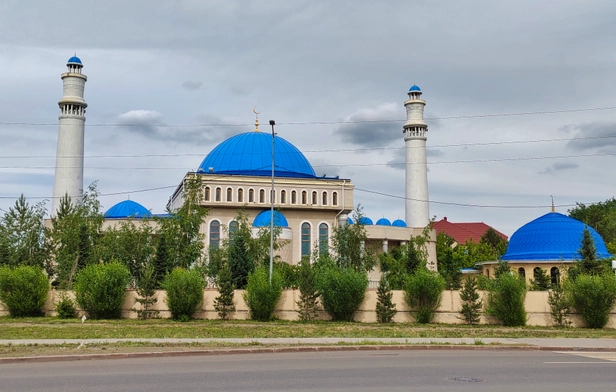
553 236
250 154
127 209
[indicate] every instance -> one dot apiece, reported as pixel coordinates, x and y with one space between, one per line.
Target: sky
520 96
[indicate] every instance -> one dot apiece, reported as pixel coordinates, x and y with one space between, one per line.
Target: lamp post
271 266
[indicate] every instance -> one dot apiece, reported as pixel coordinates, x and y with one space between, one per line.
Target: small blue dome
250 154
74 60
399 223
350 221
364 220
263 219
127 209
414 88
553 236
383 222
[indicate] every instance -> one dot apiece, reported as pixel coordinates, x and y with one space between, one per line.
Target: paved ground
417 371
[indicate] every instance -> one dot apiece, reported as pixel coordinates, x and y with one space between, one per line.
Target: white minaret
69 156
415 136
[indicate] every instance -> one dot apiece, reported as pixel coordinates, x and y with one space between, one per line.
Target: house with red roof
464 231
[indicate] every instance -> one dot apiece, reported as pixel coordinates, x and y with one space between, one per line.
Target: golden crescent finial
254 110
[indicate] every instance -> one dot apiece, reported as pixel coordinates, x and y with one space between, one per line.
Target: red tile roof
464 231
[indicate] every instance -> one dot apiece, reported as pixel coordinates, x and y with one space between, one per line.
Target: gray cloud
149 124
399 157
559 166
192 85
590 136
368 131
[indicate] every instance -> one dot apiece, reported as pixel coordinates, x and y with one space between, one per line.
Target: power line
515 114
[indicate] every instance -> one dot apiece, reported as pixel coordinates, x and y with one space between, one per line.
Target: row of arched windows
254 197
305 236
554 273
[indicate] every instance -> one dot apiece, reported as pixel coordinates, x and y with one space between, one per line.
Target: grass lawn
53 328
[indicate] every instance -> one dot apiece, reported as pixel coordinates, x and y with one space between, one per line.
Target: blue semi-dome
250 154
398 223
383 222
74 60
414 88
553 236
350 221
364 220
127 209
264 219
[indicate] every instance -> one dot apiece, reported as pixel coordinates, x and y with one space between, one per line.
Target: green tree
342 290
162 264
184 290
241 256
260 296
385 307
23 290
308 306
502 268
506 295
471 304
588 263
181 229
401 261
593 296
422 294
495 241
601 217
448 260
224 302
146 290
541 281
100 289
348 250
560 305
22 235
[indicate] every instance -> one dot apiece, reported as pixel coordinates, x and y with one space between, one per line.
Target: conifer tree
224 302
385 308
146 289
471 305
308 292
588 253
560 306
541 281
161 262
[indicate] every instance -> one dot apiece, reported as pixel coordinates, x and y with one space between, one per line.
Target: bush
260 297
100 289
422 293
23 290
289 274
560 305
593 297
66 307
342 291
184 290
506 299
308 306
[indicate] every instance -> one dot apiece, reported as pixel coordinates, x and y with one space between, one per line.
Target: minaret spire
68 179
415 135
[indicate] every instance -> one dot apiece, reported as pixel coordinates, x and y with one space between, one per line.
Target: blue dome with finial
127 209
250 154
399 223
553 236
74 60
264 219
383 222
364 220
414 88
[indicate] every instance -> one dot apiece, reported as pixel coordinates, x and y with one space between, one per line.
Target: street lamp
271 269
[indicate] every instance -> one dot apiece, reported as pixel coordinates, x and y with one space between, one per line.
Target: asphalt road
325 371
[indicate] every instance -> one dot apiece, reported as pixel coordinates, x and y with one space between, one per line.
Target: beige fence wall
537 308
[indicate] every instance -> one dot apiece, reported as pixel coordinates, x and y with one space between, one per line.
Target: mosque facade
237 174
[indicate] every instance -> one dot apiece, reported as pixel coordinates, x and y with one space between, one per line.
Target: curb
304 349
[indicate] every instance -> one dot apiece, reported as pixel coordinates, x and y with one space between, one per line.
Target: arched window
323 238
335 198
229 194
314 198
305 239
206 194
214 234
251 196
324 198
232 229
272 196
304 197
537 272
283 197
293 197
522 272
218 194
262 196
240 195
555 276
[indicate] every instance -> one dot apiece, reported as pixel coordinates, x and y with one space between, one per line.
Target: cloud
150 124
400 156
366 129
559 166
589 136
192 85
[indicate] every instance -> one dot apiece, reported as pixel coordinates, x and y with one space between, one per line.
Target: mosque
238 174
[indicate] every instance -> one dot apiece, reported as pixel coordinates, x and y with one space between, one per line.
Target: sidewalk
539 343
